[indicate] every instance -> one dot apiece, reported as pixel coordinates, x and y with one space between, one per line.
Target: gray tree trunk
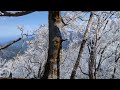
83 42
92 62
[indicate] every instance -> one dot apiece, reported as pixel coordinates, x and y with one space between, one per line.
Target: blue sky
8 25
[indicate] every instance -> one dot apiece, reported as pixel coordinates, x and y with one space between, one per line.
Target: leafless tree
85 37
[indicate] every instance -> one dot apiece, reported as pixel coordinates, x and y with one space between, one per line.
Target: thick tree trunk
55 40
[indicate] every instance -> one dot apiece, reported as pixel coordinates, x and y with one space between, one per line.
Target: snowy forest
73 45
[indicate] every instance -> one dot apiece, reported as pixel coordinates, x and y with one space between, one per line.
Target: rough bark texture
82 47
55 39
92 62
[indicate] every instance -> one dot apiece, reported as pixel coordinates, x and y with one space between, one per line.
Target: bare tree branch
116 60
5 13
82 71
10 43
102 51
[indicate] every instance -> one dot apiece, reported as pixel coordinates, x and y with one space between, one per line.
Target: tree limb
10 43
5 13
82 71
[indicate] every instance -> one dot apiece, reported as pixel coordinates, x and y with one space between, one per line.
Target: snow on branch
15 14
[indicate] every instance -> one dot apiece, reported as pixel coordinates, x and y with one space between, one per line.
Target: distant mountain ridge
10 52
5 40
73 37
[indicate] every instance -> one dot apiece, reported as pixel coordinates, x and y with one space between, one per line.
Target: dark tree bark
92 62
16 14
53 62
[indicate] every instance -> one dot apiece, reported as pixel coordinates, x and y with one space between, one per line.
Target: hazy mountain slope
12 51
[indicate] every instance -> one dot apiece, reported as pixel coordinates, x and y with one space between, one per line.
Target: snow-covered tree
91 38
